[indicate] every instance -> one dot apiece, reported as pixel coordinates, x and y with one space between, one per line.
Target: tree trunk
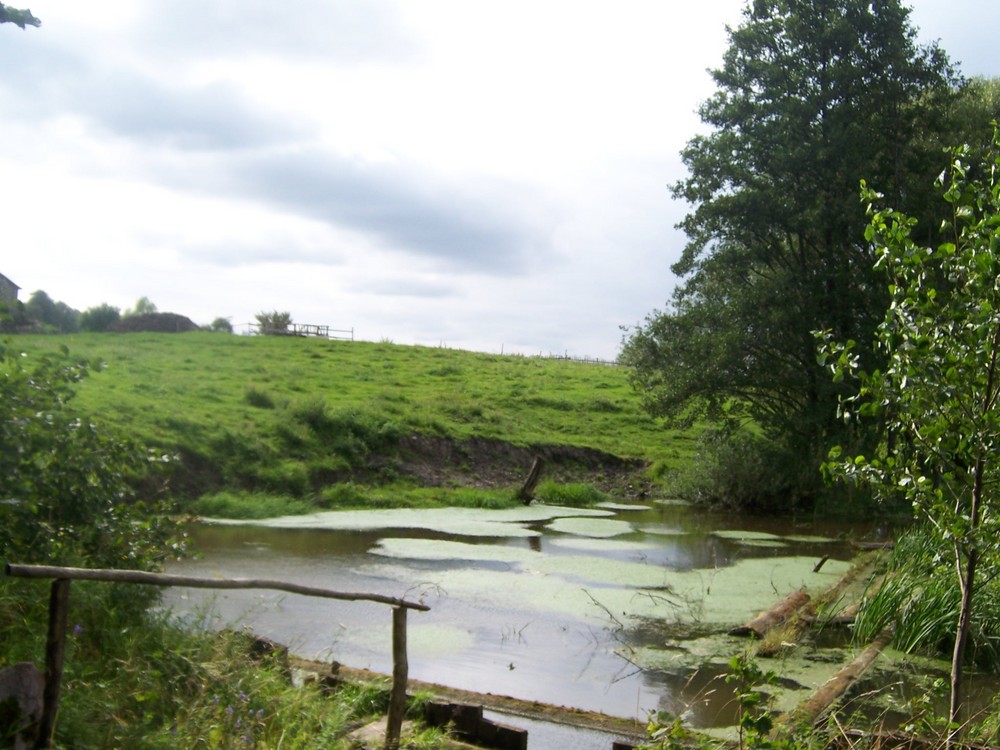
961 641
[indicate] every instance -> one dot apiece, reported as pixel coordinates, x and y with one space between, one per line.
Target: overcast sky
473 174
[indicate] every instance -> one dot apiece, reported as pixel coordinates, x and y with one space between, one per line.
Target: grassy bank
304 423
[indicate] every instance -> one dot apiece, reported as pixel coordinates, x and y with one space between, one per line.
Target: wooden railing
302 329
55 645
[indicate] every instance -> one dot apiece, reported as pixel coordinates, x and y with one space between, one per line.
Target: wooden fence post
400 673
55 652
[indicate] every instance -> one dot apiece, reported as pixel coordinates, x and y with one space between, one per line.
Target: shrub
65 481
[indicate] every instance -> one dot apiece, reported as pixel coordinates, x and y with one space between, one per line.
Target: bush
65 481
98 319
742 470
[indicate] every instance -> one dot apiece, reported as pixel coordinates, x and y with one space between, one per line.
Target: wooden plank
162 579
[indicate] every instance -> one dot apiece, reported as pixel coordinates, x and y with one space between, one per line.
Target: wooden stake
400 673
55 652
527 492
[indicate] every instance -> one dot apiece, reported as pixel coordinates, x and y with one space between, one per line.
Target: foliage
146 681
920 600
811 97
755 720
273 322
22 18
64 481
221 325
667 732
99 318
740 469
571 494
55 317
250 505
939 393
143 306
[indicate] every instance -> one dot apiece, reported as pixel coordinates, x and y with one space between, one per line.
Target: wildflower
77 629
229 710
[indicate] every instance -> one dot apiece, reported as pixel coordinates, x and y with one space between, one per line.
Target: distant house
8 290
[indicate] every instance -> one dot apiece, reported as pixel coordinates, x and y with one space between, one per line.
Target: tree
274 322
812 96
55 316
143 306
22 18
98 319
939 392
221 325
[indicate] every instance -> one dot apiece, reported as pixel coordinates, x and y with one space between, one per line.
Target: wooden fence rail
55 645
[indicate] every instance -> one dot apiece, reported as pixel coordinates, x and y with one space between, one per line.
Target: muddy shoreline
500 703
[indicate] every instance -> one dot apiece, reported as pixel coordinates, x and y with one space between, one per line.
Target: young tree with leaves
812 96
938 394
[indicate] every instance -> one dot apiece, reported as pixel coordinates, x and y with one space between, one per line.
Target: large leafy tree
812 96
939 391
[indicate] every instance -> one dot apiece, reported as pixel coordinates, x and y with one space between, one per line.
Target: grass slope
315 419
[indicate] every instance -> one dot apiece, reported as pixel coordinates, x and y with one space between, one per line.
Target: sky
470 174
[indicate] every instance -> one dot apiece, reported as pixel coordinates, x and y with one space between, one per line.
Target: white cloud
481 175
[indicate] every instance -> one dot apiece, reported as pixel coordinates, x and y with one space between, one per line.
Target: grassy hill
336 424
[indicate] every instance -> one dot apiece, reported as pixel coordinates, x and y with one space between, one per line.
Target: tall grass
920 598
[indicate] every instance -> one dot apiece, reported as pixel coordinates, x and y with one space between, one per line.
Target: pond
620 609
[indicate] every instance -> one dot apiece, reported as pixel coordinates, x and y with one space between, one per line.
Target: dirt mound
154 323
486 462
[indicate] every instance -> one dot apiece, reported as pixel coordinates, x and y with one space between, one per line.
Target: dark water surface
497 622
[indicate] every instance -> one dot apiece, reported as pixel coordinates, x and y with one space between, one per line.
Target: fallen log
807 713
777 615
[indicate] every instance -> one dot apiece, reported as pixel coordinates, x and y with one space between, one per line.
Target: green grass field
315 420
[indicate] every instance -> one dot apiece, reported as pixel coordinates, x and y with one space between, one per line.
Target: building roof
4 278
